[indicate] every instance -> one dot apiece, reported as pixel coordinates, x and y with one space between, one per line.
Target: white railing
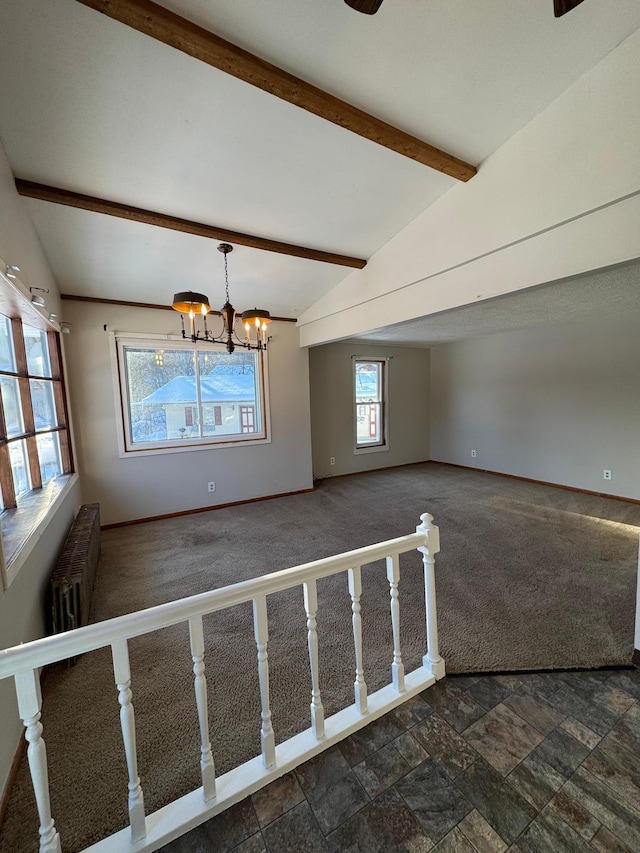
149 832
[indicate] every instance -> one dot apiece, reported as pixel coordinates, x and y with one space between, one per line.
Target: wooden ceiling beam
42 192
177 32
97 300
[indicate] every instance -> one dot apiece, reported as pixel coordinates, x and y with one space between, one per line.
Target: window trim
382 446
30 433
24 525
126 448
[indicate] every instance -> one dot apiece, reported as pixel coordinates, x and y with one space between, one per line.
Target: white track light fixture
11 270
35 298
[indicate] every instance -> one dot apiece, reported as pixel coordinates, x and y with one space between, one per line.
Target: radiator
75 572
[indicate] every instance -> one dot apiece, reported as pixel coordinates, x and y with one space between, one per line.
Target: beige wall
23 616
22 605
19 243
331 379
559 404
157 484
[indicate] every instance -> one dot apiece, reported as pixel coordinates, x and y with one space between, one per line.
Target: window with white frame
370 415
34 435
179 395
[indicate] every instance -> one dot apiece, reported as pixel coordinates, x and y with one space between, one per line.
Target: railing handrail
48 650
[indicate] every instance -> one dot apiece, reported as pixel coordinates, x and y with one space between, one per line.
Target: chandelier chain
226 275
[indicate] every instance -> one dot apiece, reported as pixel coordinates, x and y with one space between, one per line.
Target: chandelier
255 321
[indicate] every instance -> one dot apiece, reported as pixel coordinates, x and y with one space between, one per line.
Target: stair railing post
30 707
432 660
261 633
207 767
122 674
359 685
393 576
311 609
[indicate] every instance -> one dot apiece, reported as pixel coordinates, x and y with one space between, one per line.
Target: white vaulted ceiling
90 105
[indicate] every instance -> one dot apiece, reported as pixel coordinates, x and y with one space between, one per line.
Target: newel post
432 660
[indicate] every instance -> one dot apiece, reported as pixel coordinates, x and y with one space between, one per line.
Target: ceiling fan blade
369 7
561 7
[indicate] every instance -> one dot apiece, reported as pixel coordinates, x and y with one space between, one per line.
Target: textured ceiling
606 293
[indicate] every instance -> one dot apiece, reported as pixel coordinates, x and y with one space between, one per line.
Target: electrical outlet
606 474
211 487
474 454
332 461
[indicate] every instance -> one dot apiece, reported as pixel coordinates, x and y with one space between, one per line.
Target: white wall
22 606
558 199
134 488
636 643
331 379
19 244
558 404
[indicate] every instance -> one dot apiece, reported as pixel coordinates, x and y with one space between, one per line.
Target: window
370 404
190 397
34 435
247 418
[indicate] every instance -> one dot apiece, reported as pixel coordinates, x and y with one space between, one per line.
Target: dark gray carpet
530 577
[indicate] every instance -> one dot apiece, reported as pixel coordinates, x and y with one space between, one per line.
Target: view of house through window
34 439
369 400
179 395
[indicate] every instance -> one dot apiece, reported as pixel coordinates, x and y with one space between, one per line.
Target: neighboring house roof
366 386
215 388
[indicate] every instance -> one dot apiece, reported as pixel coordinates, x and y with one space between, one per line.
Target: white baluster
261 632
393 576
311 609
359 685
207 767
122 673
432 660
29 705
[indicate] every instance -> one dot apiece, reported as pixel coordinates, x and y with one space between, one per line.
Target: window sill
125 453
23 526
376 448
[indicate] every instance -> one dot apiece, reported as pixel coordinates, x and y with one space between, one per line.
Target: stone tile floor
533 763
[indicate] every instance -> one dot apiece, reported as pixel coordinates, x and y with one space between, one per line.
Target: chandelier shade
187 301
257 316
